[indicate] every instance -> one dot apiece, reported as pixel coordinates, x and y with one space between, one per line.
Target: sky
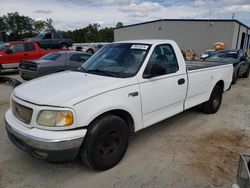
73 14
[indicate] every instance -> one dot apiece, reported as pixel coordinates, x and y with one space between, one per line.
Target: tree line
19 27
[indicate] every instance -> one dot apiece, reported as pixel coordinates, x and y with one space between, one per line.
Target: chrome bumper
50 150
45 144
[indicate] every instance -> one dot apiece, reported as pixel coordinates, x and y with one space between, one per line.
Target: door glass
56 36
17 48
47 36
51 56
163 56
79 57
29 47
241 54
64 35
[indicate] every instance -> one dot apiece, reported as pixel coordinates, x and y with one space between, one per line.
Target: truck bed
194 65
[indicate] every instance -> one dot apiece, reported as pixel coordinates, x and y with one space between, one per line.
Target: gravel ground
191 149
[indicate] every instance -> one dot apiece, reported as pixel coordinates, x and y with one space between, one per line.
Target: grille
23 113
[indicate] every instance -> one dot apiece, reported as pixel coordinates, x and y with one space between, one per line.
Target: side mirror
242 58
9 51
156 70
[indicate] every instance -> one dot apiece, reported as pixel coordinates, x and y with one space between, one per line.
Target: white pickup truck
123 88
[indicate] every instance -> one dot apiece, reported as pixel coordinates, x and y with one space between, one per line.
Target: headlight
55 118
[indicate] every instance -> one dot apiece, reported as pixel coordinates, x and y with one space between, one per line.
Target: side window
64 35
47 36
29 47
56 36
79 57
163 58
84 57
242 54
17 48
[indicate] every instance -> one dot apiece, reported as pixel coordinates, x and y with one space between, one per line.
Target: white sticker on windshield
139 47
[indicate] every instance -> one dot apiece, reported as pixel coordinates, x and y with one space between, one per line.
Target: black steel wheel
235 77
214 102
105 143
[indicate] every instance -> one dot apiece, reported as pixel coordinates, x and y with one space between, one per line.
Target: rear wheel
214 102
105 143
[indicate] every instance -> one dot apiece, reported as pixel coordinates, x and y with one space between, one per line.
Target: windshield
39 36
118 60
229 54
51 56
2 46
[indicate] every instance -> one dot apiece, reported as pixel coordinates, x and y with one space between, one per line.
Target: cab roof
147 41
18 42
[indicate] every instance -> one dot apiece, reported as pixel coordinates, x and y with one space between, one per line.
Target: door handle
133 94
25 54
181 81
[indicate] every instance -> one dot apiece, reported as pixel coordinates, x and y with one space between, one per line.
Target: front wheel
90 51
214 102
235 77
106 143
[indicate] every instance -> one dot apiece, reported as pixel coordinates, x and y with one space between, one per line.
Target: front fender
88 110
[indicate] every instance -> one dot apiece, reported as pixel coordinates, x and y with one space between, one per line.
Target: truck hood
68 88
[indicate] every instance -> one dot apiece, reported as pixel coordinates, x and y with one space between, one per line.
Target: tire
214 102
246 75
90 51
235 77
1 69
105 143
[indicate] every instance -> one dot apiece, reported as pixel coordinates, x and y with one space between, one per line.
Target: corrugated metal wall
194 35
242 30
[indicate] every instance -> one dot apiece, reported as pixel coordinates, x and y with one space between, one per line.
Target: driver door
162 95
17 54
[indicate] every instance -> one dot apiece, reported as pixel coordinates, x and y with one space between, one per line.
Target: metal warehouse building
191 34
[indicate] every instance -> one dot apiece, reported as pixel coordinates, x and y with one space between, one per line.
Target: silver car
52 63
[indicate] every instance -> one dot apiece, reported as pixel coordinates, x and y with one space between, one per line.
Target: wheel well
122 114
90 50
221 84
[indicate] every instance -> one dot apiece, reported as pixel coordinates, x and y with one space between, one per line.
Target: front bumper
51 149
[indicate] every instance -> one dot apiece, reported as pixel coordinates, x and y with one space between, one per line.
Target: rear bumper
27 74
56 150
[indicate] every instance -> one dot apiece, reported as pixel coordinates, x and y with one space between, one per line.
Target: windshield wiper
80 69
101 71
